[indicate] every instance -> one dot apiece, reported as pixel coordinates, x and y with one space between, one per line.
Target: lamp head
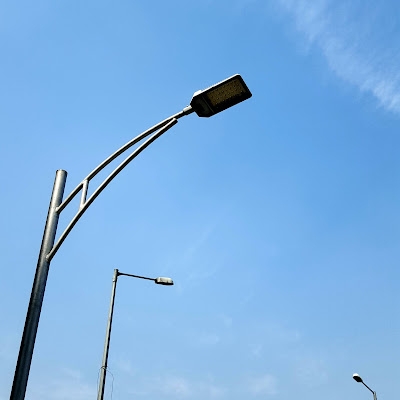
221 96
357 378
164 281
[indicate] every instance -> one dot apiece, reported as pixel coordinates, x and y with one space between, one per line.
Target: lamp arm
137 276
372 391
112 157
84 205
161 127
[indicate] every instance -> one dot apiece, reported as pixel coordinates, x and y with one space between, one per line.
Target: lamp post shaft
39 284
102 381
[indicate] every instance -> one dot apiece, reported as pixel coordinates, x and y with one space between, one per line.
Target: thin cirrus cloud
265 385
311 372
68 385
179 387
360 41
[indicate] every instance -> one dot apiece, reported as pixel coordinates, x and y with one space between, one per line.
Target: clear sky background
277 219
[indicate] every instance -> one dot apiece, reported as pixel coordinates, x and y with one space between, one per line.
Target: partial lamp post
204 103
159 281
358 378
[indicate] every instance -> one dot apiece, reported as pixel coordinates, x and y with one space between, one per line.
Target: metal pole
39 284
102 381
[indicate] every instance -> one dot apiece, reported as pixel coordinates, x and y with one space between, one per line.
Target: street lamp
159 281
358 378
219 97
205 103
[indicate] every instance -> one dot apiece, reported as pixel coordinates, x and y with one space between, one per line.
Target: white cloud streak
359 41
178 387
175 386
263 385
311 372
70 385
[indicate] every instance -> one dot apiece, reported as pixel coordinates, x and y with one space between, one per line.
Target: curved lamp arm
186 111
162 127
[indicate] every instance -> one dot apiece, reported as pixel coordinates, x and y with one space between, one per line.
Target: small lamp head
164 281
357 378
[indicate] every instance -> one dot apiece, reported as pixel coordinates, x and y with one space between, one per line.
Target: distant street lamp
358 378
205 103
159 281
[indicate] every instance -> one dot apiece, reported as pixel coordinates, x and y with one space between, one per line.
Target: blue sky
277 219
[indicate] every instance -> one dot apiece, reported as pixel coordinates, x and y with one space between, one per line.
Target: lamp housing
220 96
164 281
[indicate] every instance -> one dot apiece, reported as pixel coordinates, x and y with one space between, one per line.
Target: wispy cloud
360 41
256 350
182 387
227 320
125 366
178 387
311 372
175 386
263 385
209 339
69 385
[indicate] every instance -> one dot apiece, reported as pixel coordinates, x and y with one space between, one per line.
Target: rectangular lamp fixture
221 96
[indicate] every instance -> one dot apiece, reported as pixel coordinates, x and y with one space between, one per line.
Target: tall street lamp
205 103
358 378
159 281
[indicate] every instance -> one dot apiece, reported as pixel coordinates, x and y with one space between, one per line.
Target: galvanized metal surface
39 284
